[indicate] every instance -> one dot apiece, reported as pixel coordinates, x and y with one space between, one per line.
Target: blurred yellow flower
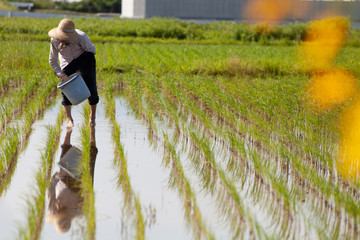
348 160
268 10
349 150
331 88
323 41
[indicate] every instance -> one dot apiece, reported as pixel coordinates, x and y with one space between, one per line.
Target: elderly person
73 48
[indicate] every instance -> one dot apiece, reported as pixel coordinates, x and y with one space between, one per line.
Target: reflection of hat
61 220
65 31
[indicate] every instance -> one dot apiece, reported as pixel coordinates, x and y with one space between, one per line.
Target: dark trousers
86 64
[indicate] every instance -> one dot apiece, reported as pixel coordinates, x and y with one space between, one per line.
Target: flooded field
190 142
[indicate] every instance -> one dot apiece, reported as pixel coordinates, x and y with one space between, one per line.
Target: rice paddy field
193 140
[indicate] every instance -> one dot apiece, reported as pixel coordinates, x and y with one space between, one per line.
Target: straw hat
65 31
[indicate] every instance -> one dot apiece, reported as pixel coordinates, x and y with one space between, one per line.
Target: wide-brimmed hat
65 31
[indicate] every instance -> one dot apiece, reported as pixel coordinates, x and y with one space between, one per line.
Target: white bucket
75 89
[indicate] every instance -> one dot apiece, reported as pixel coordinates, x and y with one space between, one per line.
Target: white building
232 9
187 9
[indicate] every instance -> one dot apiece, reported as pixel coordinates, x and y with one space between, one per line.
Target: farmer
73 48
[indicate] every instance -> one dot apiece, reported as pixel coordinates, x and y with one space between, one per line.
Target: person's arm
85 43
53 61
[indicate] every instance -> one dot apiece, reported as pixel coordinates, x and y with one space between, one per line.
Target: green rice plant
9 147
36 201
192 213
298 164
177 178
212 59
279 188
16 136
236 107
131 200
86 169
16 102
267 174
23 54
211 169
134 85
155 28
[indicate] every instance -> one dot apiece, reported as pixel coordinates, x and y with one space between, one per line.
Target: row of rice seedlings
223 110
177 178
278 129
227 192
11 79
134 87
20 54
36 202
275 171
199 94
165 58
299 144
16 136
13 105
205 119
131 200
273 119
322 178
296 113
107 61
87 171
125 53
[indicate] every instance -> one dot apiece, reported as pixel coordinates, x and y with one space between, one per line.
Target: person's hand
64 77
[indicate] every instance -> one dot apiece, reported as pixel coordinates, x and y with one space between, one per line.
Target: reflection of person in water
64 198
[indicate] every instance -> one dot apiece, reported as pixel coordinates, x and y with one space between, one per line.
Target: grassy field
230 122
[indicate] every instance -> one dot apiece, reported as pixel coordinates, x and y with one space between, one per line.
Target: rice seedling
152 29
131 200
178 179
36 202
15 103
87 172
16 136
259 165
210 173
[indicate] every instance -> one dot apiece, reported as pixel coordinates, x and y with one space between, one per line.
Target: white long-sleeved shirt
69 52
